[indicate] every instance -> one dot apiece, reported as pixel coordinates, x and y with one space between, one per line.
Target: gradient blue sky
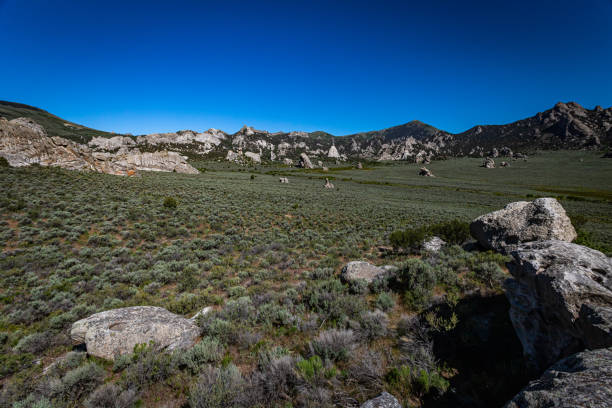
338 66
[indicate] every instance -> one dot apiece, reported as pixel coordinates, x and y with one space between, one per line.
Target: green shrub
417 279
385 302
490 273
111 396
76 383
408 239
217 388
170 203
208 350
4 162
310 368
333 344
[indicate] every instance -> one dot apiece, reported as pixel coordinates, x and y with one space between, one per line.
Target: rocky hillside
565 126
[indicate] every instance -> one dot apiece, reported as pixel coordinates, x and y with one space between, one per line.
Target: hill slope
565 126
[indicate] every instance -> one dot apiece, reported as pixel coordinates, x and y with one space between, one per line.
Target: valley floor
267 256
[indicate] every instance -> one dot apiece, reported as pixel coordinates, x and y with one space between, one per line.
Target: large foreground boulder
560 298
581 380
115 332
523 221
384 400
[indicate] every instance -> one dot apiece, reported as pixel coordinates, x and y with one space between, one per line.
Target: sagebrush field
286 330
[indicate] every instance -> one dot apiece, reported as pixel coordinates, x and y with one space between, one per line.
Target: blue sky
339 66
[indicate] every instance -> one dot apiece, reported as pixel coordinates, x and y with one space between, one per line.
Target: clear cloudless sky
144 66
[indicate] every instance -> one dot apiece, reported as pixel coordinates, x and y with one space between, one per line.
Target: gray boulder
115 332
328 184
581 380
424 171
360 270
434 244
305 162
384 400
560 299
488 163
523 221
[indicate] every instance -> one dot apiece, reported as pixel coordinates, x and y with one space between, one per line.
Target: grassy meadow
286 331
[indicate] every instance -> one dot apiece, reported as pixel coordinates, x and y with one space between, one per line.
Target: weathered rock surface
504 164
287 162
561 299
488 163
305 162
24 142
328 184
360 270
284 180
333 152
434 244
523 221
424 171
581 380
117 331
255 157
384 400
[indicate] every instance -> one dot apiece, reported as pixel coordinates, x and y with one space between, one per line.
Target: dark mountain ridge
565 126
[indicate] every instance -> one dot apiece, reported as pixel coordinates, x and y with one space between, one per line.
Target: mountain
565 126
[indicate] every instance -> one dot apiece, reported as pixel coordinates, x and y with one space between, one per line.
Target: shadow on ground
487 354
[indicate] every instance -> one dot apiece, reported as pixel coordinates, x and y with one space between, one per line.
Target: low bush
333 344
76 383
417 279
170 203
208 350
218 388
384 301
111 396
373 325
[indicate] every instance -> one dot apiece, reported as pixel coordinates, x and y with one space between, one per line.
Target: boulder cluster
560 299
24 142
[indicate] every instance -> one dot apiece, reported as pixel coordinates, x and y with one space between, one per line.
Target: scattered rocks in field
505 152
384 400
561 299
488 163
117 331
320 163
328 184
325 168
424 171
360 270
494 152
287 161
284 180
581 380
520 156
305 162
359 165
523 221
504 164
433 244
